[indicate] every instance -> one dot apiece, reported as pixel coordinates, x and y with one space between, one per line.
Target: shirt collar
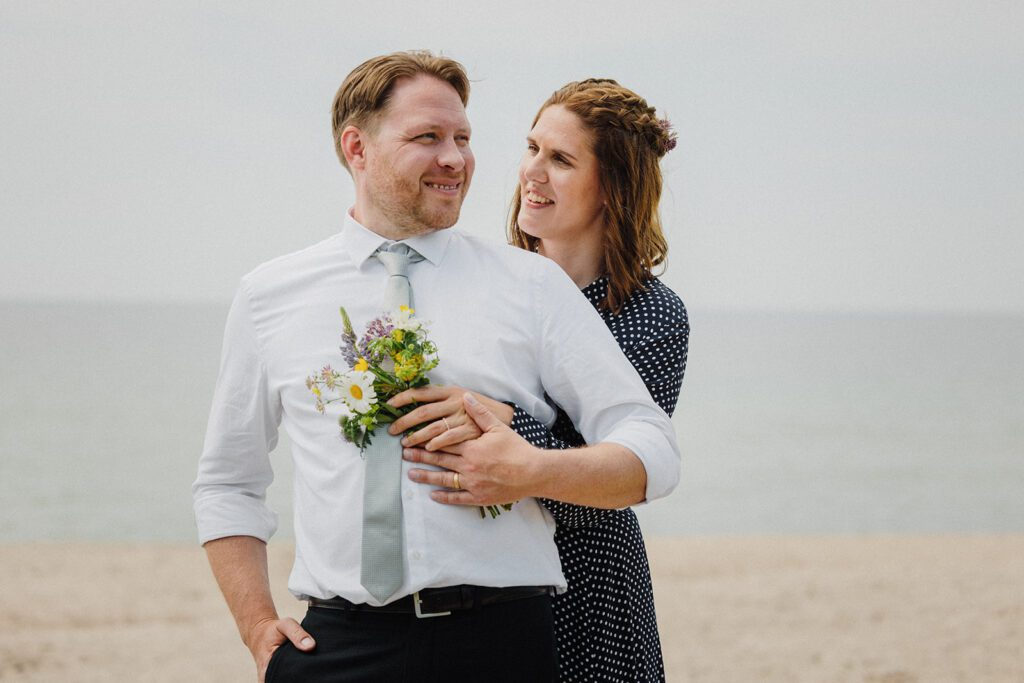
361 242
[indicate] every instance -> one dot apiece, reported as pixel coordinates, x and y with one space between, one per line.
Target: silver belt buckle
420 614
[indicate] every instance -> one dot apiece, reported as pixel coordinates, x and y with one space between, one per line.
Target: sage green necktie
381 570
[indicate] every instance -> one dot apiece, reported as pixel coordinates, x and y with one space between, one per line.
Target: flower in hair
670 136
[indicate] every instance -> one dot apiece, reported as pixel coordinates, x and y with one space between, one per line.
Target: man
401 130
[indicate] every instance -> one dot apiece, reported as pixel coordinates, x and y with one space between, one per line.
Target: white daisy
357 389
402 319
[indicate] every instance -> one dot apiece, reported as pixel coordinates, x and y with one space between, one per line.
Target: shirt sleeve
229 493
660 359
586 374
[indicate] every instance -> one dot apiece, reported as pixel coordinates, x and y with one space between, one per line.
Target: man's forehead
426 101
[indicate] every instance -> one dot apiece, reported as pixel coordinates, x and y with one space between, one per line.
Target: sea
788 423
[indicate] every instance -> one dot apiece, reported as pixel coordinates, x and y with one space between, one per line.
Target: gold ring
455 482
447 426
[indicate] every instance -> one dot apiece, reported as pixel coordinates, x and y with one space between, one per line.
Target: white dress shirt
507 323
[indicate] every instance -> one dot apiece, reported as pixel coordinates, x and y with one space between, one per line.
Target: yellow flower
405 309
398 335
361 365
315 390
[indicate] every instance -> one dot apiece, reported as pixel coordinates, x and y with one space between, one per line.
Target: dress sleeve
229 493
660 360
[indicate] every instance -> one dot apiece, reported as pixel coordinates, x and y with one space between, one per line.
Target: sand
893 609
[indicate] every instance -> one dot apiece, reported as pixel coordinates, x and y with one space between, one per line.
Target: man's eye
532 148
427 136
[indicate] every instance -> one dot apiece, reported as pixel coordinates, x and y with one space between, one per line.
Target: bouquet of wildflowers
393 355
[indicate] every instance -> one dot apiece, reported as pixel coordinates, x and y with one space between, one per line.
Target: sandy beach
878 609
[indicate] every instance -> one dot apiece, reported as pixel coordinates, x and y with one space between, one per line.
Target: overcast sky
832 156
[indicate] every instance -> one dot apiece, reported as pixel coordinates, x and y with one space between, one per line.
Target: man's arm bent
240 565
500 466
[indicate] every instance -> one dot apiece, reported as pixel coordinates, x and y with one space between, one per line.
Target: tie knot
396 257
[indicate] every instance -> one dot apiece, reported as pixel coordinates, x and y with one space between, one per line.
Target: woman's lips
537 200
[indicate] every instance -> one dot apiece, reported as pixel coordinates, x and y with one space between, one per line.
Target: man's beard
406 205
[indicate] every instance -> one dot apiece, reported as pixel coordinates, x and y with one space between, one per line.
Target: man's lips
444 186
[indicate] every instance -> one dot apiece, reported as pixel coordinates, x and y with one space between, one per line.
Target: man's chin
443 221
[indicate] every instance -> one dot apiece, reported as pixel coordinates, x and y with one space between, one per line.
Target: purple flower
670 140
348 349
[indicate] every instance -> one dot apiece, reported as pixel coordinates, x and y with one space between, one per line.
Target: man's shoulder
285 267
497 252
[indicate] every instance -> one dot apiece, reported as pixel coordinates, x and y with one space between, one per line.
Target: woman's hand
445 414
498 467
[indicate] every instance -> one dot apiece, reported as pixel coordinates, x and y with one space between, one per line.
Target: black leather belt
438 602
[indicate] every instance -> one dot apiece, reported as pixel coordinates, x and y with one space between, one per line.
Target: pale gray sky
833 155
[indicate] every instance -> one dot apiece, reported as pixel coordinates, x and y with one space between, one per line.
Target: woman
589 185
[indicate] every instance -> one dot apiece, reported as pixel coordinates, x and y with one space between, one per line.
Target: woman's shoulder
657 304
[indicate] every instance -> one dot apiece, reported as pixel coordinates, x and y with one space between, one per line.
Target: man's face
418 161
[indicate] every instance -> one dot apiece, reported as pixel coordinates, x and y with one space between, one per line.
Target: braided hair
629 140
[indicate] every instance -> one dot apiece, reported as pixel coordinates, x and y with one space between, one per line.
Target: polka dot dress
605 623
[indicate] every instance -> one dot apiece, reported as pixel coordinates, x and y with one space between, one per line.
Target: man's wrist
252 636
536 473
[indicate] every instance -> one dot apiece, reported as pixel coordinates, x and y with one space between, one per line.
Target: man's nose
450 156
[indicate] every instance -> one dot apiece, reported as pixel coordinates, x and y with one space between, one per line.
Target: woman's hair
629 140
366 92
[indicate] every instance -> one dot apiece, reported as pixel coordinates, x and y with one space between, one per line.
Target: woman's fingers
429 393
422 436
452 436
428 412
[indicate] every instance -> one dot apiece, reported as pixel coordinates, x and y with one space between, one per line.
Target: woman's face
559 182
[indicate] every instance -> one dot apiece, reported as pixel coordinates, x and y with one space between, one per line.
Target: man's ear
353 146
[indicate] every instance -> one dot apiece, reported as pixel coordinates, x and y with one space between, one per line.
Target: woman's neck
582 261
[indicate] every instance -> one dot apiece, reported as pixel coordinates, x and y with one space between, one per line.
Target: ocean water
788 423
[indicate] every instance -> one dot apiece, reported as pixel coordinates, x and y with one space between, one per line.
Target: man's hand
501 467
443 409
494 468
240 565
269 634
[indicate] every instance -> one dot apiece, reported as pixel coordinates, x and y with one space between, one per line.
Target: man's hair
366 92
629 140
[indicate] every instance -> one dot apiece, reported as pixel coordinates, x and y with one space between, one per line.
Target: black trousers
510 641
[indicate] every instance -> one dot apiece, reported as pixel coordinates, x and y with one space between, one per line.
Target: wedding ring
455 482
447 427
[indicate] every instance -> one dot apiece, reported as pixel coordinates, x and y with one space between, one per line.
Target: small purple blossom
348 348
671 139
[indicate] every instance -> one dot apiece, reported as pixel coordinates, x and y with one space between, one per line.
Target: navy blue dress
605 623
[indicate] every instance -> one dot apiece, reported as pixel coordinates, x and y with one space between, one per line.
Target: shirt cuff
658 453
225 515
